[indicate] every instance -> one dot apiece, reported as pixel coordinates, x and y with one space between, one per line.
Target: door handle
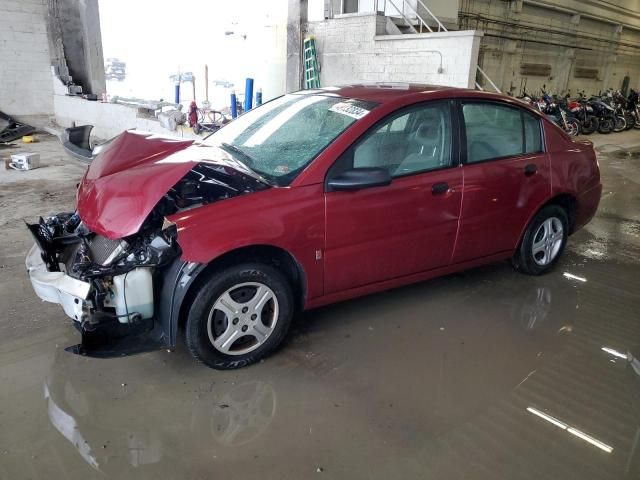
439 188
530 169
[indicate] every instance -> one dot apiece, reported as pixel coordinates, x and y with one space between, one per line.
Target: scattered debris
171 119
10 129
24 161
77 142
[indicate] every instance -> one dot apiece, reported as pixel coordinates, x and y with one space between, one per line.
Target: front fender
178 278
290 219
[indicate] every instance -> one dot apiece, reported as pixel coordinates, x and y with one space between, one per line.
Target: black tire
197 331
619 123
590 125
524 259
630 119
573 127
606 125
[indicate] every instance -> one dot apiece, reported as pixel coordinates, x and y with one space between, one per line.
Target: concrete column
296 20
75 42
611 59
564 77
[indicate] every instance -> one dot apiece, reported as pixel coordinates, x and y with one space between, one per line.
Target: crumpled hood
132 173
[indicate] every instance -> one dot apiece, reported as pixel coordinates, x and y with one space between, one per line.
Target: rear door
506 176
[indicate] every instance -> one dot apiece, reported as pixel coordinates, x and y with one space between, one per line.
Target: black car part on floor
11 129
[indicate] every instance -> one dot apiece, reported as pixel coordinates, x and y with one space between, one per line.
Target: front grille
104 250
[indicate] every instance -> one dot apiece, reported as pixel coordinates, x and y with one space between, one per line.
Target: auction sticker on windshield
349 109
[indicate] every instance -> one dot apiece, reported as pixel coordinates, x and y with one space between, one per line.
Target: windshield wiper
248 163
242 153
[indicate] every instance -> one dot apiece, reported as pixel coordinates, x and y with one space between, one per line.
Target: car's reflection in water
516 372
114 435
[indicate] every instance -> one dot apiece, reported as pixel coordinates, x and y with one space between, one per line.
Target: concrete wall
564 34
25 73
76 42
356 48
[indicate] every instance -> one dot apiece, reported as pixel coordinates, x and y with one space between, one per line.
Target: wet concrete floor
487 374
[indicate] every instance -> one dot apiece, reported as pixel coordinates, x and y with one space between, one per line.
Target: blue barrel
177 96
248 94
234 105
259 97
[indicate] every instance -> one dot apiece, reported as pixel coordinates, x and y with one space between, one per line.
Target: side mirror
358 178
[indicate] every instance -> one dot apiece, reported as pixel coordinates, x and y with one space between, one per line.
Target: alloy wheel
547 241
242 318
573 128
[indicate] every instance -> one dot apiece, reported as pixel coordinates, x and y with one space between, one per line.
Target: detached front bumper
57 287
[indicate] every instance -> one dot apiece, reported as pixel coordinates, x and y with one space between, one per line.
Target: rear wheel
619 123
239 315
630 119
606 125
543 241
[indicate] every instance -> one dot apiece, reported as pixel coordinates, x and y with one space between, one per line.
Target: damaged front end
115 264
108 287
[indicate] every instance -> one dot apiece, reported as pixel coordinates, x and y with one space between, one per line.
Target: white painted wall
354 48
25 75
108 119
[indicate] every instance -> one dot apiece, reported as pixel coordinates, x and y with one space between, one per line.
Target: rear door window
497 131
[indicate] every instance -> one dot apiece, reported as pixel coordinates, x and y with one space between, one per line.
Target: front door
410 226
506 177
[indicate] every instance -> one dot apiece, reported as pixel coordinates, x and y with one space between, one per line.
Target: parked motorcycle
557 111
604 113
633 108
581 110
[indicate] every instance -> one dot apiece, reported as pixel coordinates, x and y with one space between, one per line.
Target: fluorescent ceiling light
548 418
590 439
615 353
572 430
571 276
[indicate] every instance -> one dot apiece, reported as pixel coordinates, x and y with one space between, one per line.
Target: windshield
280 138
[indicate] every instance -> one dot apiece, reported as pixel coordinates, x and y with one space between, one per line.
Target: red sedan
313 198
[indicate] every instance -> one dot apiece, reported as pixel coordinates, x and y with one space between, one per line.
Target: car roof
381 92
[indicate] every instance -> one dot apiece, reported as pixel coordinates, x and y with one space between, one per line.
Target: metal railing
488 79
441 27
421 22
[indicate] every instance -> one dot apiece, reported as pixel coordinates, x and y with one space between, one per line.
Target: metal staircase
423 25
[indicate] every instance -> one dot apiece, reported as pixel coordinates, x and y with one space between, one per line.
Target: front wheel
572 127
543 241
239 316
